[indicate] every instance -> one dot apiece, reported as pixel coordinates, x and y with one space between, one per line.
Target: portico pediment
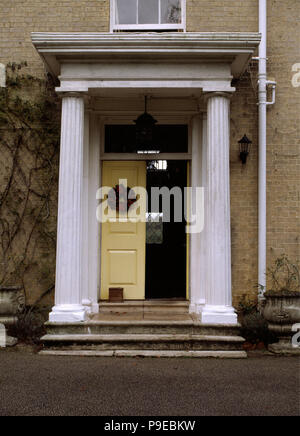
101 63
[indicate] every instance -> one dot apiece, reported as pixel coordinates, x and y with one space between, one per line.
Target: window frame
150 27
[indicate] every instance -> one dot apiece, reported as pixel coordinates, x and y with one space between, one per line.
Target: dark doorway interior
166 241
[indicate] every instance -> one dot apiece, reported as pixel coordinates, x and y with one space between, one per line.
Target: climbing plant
29 149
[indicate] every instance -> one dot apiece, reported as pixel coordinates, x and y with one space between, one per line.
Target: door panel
123 244
166 242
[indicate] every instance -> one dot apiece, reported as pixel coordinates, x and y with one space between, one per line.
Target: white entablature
101 63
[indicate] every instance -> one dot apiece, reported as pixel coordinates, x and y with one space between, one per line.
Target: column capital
208 95
74 94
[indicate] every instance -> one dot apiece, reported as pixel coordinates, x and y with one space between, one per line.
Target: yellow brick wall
20 17
244 186
221 15
284 131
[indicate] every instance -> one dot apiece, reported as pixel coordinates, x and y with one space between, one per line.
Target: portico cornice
234 48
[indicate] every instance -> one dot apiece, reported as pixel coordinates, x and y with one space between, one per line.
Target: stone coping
148 353
143 323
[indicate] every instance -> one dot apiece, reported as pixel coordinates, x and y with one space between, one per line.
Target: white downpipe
272 84
262 168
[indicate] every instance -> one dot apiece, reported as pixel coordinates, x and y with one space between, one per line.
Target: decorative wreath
118 198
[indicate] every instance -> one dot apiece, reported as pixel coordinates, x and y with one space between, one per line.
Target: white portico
104 77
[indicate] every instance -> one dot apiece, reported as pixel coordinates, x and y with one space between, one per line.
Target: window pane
148 11
154 228
126 12
170 11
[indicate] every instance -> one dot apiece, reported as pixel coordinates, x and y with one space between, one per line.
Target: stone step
133 341
149 353
150 306
154 327
137 336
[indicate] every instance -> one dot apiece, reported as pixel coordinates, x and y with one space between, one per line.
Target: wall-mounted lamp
245 146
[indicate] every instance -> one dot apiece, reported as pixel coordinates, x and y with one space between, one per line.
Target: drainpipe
262 141
263 84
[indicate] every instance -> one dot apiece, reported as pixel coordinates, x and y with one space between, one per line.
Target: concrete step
142 334
149 353
147 306
150 327
145 342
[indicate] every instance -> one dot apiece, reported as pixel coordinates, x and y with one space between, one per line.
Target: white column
197 264
93 225
86 301
68 289
218 308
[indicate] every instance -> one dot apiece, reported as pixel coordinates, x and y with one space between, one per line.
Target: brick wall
284 131
222 15
244 186
20 17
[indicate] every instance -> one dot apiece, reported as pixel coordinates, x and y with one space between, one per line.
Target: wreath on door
118 198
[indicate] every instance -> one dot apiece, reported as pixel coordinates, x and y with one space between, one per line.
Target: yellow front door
123 249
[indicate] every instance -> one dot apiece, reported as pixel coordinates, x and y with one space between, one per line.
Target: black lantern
245 145
145 125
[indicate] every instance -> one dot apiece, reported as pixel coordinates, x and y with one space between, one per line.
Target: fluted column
68 297
198 246
218 308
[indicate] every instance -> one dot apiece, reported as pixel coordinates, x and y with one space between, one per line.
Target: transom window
147 15
166 139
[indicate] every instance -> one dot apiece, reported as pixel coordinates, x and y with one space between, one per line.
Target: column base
90 307
197 307
68 313
95 308
87 304
219 315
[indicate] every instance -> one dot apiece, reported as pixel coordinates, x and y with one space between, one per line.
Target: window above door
151 15
171 139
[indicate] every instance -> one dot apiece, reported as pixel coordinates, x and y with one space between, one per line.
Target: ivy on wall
29 150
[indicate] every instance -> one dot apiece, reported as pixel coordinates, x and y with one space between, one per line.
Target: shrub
29 327
255 328
246 306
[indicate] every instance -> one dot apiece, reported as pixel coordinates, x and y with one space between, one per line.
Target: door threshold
166 299
148 301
